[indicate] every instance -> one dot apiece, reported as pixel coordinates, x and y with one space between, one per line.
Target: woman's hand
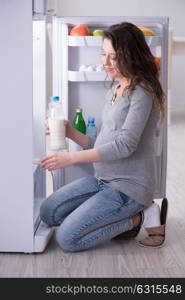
57 161
65 159
67 124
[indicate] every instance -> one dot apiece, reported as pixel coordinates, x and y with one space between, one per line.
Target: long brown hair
135 60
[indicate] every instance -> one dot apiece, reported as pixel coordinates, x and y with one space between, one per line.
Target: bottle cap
55 98
79 110
91 120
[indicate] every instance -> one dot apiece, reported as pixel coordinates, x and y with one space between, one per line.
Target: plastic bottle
91 128
56 125
79 123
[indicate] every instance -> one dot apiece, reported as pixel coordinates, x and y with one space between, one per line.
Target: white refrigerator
23 77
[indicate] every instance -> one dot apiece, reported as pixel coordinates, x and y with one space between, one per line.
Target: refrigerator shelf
96 41
87 76
88 41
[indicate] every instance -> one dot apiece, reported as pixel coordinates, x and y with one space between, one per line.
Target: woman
96 208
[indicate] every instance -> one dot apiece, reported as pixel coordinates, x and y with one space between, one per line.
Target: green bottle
79 123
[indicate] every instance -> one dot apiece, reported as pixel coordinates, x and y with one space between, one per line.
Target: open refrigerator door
42 233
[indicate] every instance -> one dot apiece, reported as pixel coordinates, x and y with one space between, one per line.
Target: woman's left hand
56 161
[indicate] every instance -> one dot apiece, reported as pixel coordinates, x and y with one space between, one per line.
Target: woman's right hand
67 124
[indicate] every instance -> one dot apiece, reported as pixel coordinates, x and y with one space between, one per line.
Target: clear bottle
91 130
57 139
79 123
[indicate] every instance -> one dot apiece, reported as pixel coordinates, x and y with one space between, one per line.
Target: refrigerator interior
87 90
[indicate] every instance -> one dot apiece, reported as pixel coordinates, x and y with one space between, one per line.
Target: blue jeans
88 212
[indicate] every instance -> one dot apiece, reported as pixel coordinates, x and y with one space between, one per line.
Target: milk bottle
56 118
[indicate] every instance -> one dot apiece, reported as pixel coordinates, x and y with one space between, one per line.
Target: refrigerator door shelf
42 237
88 41
36 164
34 168
39 193
96 41
88 76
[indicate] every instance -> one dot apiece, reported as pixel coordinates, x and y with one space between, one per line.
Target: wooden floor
118 258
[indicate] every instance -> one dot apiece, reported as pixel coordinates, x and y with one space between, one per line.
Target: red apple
80 29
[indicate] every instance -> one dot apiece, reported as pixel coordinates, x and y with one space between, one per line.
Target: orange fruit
80 29
158 62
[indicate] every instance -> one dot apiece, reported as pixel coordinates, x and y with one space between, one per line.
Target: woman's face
109 59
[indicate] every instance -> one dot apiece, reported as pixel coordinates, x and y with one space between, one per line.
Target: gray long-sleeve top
126 145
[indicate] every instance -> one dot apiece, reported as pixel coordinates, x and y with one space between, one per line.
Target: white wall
175 9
